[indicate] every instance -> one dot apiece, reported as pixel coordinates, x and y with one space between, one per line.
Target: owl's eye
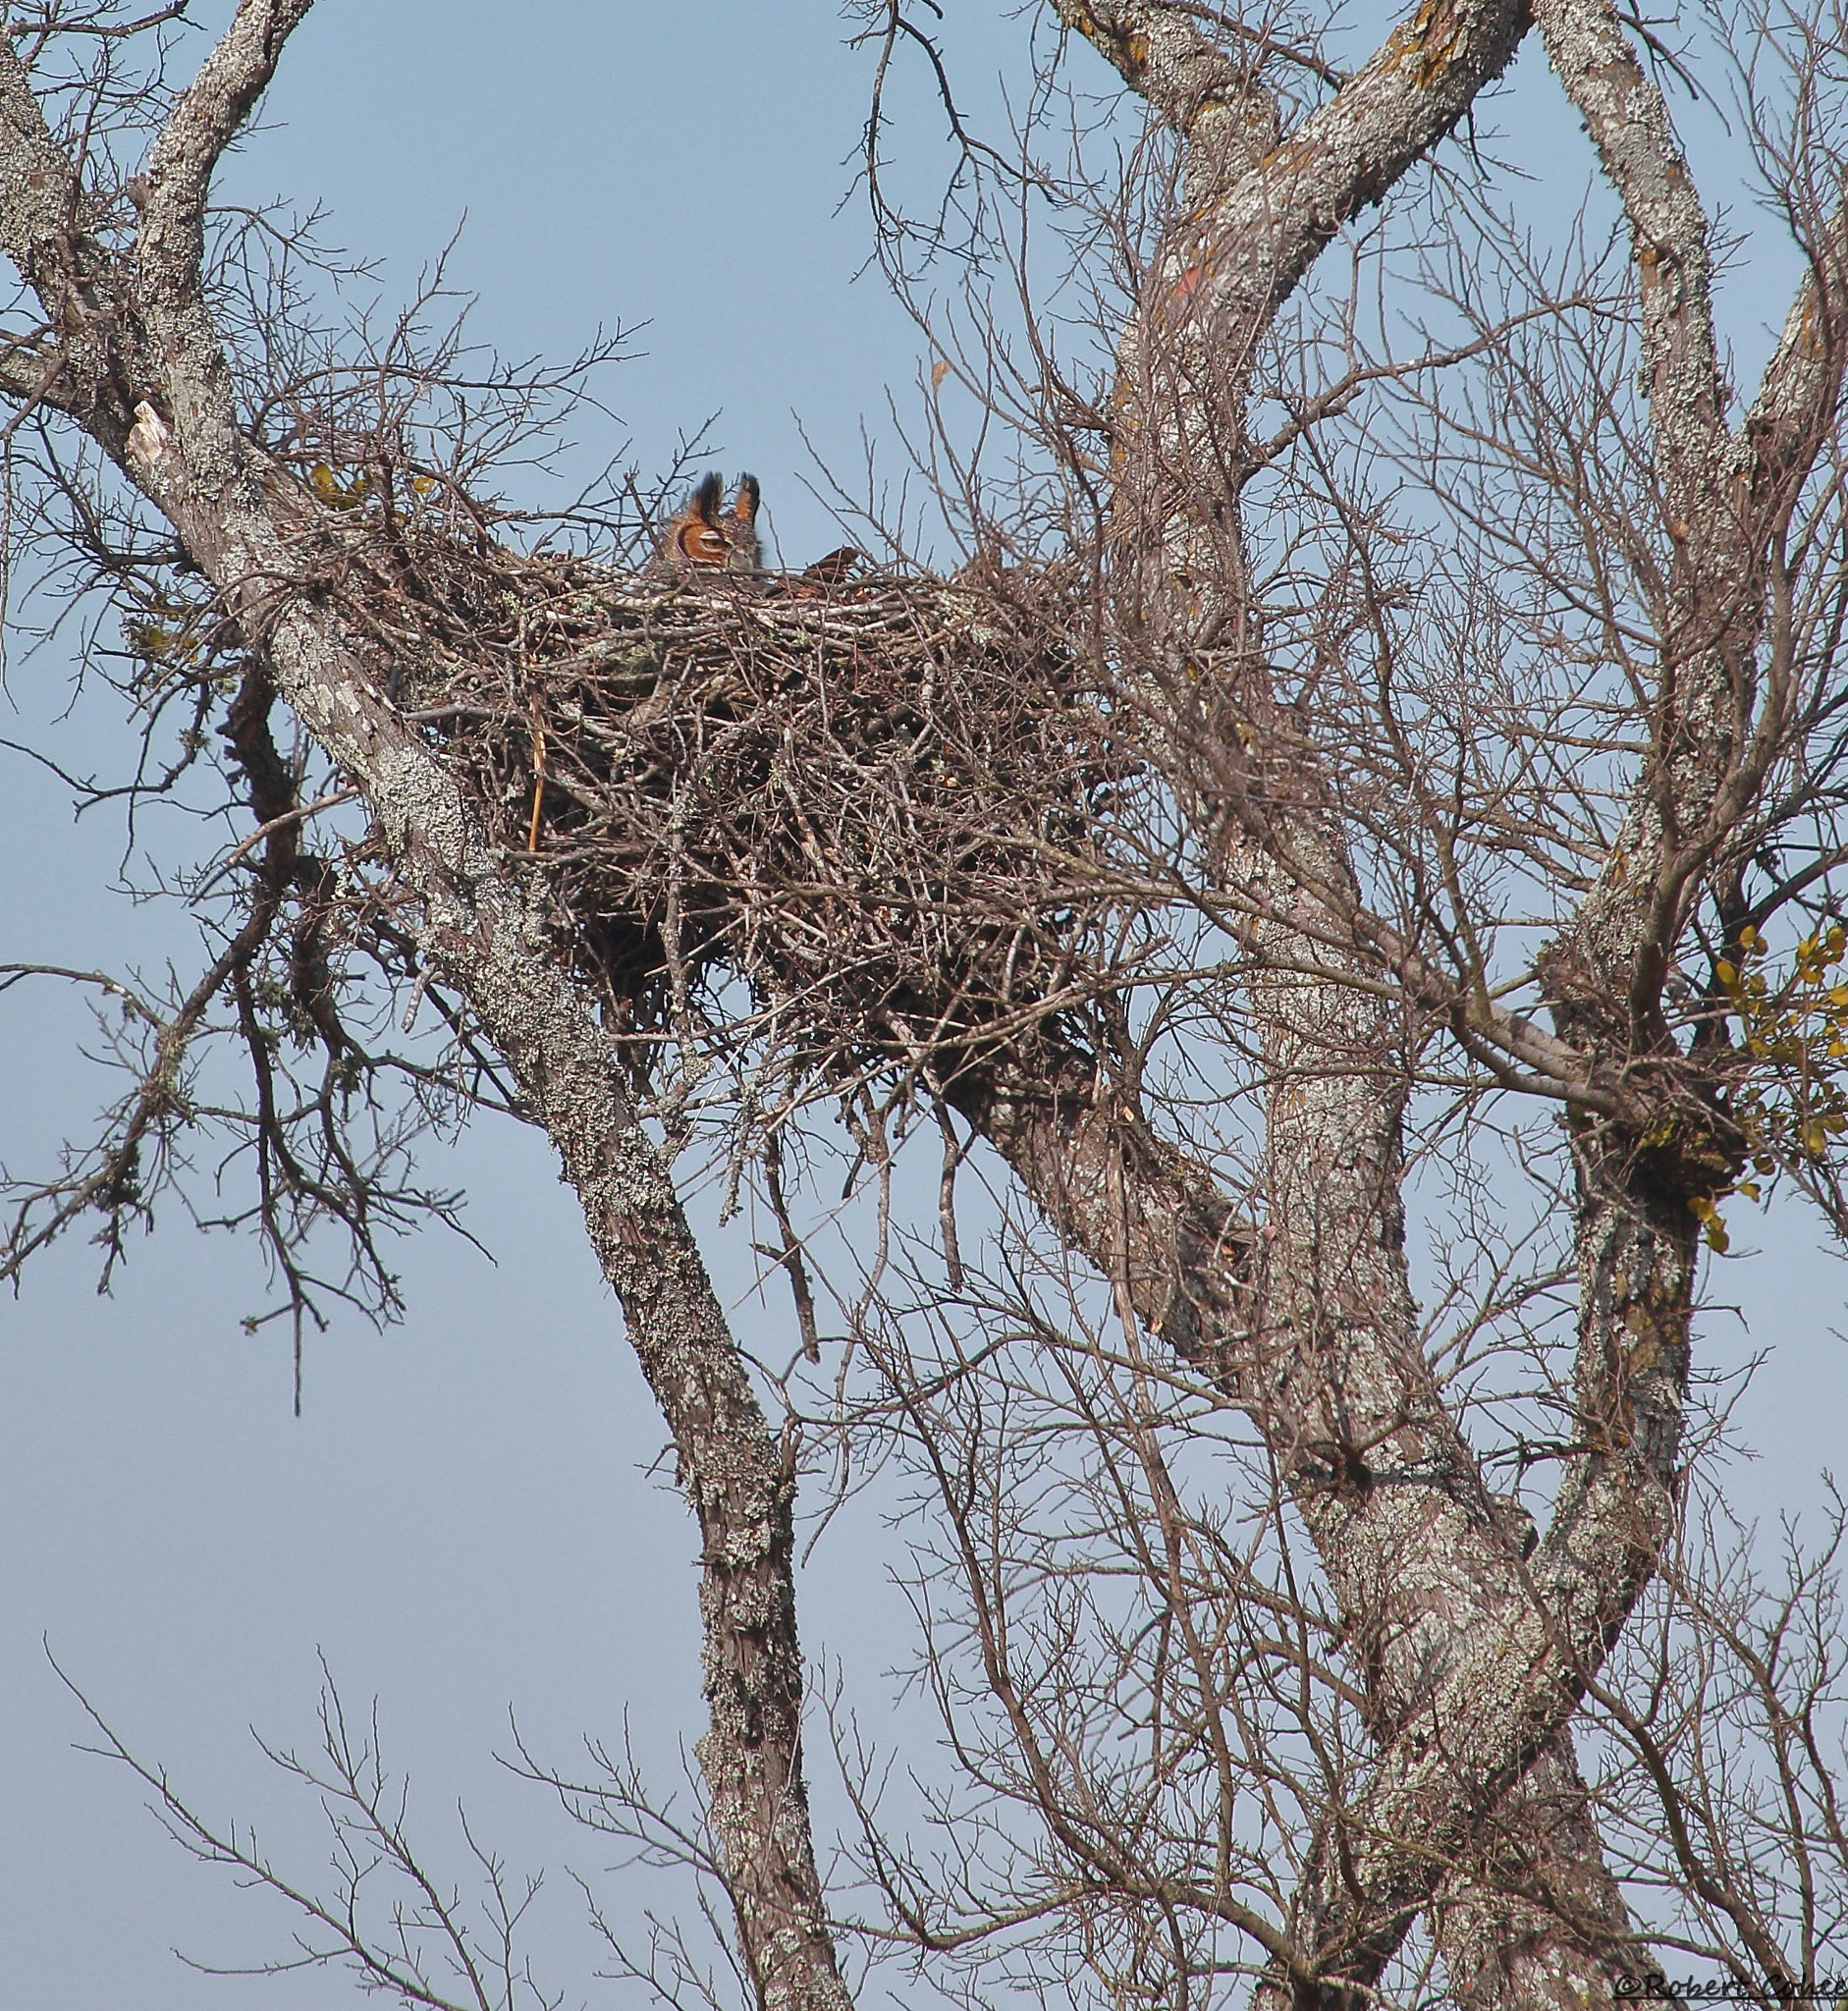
702 542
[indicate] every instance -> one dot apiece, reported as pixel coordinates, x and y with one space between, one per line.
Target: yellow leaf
149 639
1727 976
327 486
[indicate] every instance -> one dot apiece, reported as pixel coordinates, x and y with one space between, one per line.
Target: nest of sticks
877 806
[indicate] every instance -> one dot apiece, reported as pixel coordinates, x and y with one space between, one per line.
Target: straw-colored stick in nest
538 786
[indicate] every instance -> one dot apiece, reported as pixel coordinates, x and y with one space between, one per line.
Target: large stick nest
877 804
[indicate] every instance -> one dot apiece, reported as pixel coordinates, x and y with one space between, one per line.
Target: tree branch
243 525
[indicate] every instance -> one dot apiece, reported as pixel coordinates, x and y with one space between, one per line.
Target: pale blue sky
461 1518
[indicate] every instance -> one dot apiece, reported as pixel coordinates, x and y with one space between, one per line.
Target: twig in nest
538 786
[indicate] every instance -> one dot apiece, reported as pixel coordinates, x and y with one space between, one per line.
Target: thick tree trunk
243 524
1534 1920
1463 1653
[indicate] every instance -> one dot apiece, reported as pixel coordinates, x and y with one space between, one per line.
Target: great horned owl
706 538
